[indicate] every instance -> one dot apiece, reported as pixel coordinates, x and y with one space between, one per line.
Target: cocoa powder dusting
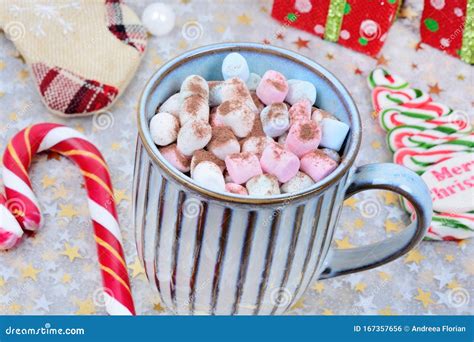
228 106
277 84
192 104
221 135
201 129
203 155
196 87
307 132
257 128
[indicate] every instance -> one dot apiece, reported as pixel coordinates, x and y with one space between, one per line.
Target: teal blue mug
214 253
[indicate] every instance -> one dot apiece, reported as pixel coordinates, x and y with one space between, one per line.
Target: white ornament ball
159 18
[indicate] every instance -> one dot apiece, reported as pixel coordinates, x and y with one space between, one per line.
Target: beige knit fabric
72 35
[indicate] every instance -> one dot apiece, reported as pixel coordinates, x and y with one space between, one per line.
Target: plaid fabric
69 93
133 35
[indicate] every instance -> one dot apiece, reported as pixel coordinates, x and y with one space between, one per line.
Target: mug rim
314 67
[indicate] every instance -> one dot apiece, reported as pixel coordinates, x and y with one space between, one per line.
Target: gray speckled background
56 271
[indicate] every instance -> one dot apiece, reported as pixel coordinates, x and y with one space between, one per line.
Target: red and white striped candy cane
20 207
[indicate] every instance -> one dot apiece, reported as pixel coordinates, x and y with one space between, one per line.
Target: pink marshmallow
273 88
303 137
175 157
317 165
236 189
279 162
242 166
301 110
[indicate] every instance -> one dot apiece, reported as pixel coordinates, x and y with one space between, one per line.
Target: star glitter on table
58 267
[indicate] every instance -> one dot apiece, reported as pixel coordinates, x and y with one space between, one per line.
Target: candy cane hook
19 209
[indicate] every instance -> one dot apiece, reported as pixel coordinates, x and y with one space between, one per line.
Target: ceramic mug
219 253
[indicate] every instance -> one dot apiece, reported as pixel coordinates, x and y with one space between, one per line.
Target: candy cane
381 77
398 116
21 209
416 136
383 97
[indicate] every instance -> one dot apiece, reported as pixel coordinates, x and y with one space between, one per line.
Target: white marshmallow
172 105
236 115
235 65
299 182
263 185
193 136
223 142
320 114
236 89
256 145
334 133
215 93
164 129
334 155
299 90
209 176
194 108
253 81
194 85
275 119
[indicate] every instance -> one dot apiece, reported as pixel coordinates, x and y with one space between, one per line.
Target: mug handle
395 178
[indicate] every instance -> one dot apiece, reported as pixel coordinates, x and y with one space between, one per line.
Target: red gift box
359 25
448 25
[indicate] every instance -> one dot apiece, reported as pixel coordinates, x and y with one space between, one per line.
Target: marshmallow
172 105
257 128
242 166
273 88
236 189
193 136
275 119
282 138
235 89
209 176
334 133
215 93
300 110
253 81
320 114
279 162
263 185
203 155
194 108
195 99
175 157
256 145
258 104
164 129
303 137
235 65
194 85
223 142
317 165
300 90
334 155
299 182
236 115
214 120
